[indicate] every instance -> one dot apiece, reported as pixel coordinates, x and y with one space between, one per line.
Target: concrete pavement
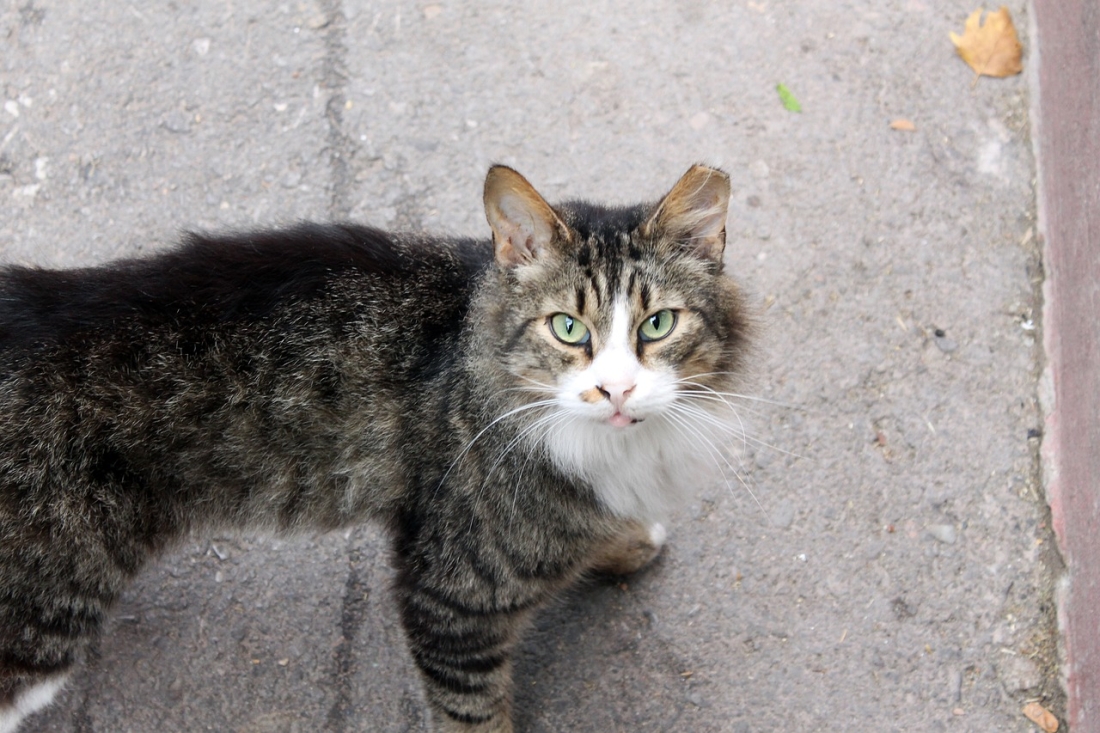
894 571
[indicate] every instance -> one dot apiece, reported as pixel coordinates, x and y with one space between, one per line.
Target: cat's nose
616 392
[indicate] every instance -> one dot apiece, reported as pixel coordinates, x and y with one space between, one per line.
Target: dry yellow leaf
903 124
991 48
1041 717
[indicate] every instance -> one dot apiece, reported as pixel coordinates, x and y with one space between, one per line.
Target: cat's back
213 283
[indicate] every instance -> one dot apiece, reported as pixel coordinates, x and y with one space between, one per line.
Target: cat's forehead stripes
617 275
630 282
616 260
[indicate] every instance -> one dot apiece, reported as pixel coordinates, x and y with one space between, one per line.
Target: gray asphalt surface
892 573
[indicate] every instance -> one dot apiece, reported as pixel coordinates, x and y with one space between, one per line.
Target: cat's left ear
694 212
524 226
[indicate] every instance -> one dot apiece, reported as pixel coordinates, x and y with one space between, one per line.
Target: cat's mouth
620 420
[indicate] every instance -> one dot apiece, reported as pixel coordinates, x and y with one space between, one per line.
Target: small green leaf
788 100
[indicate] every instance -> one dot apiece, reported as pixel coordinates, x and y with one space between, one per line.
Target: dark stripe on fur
517 336
471 662
467 717
450 679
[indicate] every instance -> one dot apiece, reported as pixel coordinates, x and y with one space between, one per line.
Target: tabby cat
517 413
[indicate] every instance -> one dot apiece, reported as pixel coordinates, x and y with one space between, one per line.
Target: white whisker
700 395
518 437
560 419
547 387
745 435
510 413
740 422
683 420
737 395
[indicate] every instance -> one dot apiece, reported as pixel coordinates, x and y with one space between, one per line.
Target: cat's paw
632 549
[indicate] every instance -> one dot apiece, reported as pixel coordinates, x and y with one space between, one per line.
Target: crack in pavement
340 146
352 614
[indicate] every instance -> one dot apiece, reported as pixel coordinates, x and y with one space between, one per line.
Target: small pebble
759 169
763 458
177 122
946 344
945 533
699 121
1019 674
783 515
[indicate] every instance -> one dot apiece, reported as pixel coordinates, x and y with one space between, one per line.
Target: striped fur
319 376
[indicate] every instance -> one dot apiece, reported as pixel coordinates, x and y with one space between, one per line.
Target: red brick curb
1067 135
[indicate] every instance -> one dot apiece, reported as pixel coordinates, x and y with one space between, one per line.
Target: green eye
657 326
568 329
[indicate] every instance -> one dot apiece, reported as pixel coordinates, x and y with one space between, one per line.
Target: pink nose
617 392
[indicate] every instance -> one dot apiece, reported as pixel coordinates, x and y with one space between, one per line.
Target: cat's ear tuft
694 211
524 225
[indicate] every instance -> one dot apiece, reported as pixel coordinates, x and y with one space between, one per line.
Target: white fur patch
644 470
658 534
29 701
647 468
616 368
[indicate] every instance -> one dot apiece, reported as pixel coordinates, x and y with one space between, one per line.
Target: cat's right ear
524 225
695 211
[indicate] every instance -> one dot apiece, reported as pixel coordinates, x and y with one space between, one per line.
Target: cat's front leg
463 650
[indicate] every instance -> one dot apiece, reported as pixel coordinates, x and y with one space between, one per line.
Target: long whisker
510 413
717 422
561 421
701 395
536 390
752 398
540 421
518 437
547 387
740 422
714 394
683 420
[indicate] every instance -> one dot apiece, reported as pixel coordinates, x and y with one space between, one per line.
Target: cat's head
617 325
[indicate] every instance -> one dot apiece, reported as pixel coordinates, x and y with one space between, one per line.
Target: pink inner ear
697 207
524 225
518 243
520 224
